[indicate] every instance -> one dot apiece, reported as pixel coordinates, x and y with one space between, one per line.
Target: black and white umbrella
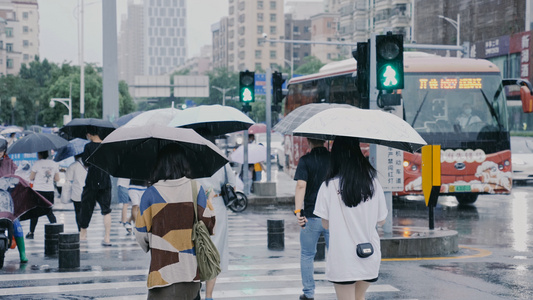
37 142
131 152
77 128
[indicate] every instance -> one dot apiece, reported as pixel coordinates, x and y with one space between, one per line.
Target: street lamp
457 25
223 91
13 102
68 103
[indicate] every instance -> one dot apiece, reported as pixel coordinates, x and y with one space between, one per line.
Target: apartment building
199 65
19 40
324 28
220 39
247 22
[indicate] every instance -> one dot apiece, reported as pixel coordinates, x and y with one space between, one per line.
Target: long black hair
356 174
171 163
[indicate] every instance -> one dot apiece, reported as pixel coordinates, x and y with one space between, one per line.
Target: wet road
497 263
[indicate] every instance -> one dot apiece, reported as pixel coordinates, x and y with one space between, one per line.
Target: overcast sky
58 20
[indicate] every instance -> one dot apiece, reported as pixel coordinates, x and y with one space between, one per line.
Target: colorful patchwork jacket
164 226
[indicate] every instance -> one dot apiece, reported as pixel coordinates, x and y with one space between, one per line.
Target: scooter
239 204
6 221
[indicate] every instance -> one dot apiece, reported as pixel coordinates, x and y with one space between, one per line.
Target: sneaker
106 244
128 227
304 297
29 236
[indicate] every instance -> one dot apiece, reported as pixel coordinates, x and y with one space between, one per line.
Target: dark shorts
89 197
352 282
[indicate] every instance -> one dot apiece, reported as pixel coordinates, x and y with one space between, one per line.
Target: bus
438 94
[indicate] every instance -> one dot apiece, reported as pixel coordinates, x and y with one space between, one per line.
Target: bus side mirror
527 99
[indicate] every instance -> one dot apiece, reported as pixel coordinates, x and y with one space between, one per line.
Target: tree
224 79
311 65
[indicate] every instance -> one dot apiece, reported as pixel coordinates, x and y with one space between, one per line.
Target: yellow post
431 178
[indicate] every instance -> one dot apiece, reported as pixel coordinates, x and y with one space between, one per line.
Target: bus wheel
466 198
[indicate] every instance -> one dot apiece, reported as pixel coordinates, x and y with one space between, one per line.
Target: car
522 158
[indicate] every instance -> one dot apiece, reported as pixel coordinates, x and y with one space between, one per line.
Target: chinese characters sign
390 168
450 83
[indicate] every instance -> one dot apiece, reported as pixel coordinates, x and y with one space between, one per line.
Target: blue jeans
308 240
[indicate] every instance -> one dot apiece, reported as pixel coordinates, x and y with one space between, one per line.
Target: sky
58 22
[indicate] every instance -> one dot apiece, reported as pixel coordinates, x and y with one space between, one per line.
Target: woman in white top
74 183
43 175
351 203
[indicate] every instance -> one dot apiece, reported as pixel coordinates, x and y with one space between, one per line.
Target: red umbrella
257 128
27 203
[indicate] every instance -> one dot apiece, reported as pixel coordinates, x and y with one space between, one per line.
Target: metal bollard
321 248
69 250
276 234
51 238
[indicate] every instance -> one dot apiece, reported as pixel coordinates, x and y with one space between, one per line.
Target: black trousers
51 217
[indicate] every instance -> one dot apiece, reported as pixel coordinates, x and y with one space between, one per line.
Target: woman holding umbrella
351 203
43 175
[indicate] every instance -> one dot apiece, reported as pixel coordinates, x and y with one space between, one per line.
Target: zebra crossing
119 272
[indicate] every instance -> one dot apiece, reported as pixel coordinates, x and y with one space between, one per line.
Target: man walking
310 174
97 189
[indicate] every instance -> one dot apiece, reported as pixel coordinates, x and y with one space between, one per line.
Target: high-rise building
131 43
220 43
165 33
248 24
324 28
19 39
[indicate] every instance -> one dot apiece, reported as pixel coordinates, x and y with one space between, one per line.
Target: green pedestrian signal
246 86
389 61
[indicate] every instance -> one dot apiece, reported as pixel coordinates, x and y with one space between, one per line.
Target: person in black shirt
97 189
310 174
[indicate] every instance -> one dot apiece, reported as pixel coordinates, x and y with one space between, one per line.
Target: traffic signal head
361 55
277 87
389 61
247 86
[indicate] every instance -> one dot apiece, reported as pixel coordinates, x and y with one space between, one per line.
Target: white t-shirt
74 182
45 170
342 262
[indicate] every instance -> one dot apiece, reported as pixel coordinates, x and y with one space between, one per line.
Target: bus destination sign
450 83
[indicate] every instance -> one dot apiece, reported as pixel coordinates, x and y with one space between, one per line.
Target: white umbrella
370 126
11 129
217 119
301 114
256 153
159 116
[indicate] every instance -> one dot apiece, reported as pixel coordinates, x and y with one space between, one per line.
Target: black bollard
51 237
276 235
69 250
321 248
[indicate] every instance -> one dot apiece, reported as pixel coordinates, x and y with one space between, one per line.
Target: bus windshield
462 105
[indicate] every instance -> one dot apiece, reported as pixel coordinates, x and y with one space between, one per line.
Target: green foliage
38 82
311 65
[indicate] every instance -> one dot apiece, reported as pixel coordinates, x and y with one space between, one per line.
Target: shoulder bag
227 191
207 254
363 250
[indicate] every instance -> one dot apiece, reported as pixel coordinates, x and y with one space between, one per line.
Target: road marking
481 253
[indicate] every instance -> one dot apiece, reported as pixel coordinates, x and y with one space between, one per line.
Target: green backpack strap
195 200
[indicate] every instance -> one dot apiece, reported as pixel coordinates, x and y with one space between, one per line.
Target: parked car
522 157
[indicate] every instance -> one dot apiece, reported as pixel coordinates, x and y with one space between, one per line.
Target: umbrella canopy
126 118
301 114
77 128
73 148
257 128
160 116
37 142
35 128
131 152
11 129
256 153
370 126
19 200
217 119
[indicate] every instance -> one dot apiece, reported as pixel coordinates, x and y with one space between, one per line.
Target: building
220 43
324 28
199 65
247 23
19 42
131 43
165 31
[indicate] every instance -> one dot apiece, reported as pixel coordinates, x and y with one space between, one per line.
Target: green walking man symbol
390 76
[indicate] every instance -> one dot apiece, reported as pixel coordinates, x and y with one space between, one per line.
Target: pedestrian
74 182
351 203
122 192
164 226
44 173
220 237
135 191
8 167
97 189
309 175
